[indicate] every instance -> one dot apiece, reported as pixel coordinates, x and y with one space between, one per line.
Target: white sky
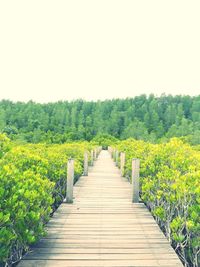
63 50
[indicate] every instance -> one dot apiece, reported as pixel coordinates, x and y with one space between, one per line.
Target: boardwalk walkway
102 227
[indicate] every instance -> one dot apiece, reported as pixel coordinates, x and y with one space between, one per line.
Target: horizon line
99 100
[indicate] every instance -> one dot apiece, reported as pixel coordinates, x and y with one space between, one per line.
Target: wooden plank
102 250
93 256
45 244
106 228
104 237
100 263
102 241
109 232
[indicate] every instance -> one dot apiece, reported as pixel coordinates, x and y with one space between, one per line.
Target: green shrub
170 187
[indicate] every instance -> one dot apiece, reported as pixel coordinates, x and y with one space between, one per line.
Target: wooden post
70 181
92 158
85 164
98 150
111 151
116 157
135 180
95 154
122 163
113 154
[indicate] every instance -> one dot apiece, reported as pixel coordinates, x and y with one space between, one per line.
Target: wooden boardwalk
102 227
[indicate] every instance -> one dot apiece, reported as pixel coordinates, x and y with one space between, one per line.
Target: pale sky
64 50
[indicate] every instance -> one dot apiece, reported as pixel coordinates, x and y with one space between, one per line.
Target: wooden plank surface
102 227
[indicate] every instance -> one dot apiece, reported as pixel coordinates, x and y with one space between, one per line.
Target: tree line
144 117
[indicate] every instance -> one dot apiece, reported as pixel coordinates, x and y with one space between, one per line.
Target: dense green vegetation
148 118
170 187
33 164
32 185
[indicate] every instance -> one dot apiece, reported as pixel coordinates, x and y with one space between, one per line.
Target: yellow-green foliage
32 184
4 144
170 186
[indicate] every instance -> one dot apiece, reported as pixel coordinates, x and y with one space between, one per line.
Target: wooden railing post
70 181
135 180
111 152
85 164
95 154
122 163
92 157
99 150
116 157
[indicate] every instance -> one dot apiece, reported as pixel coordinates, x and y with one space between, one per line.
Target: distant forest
149 118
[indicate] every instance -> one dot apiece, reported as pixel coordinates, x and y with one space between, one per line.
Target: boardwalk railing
122 163
70 172
135 180
93 157
85 172
135 171
70 181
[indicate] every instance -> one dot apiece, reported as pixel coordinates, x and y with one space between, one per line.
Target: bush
170 187
32 185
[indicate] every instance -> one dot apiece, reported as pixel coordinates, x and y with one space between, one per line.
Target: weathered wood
122 163
116 157
99 150
92 158
135 180
114 245
102 228
85 163
101 263
95 256
164 251
70 181
110 150
95 154
113 154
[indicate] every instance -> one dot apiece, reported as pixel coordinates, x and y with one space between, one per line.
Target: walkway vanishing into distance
102 227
